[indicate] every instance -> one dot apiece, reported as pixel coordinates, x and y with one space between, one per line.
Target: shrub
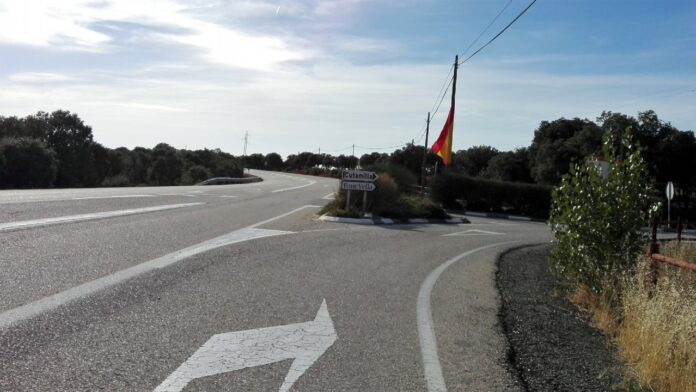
493 196
195 174
28 163
597 221
404 179
116 181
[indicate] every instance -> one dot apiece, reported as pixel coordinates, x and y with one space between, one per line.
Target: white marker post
669 192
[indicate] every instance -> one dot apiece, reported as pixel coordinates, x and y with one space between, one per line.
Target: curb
498 215
387 221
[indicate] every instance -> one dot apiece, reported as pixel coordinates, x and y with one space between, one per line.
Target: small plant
597 221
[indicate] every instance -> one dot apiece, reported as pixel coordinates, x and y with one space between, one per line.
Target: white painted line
282 215
388 221
110 197
426 331
228 196
330 196
311 182
32 309
84 217
472 232
227 352
519 218
478 214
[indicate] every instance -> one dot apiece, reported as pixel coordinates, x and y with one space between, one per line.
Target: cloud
40 77
73 25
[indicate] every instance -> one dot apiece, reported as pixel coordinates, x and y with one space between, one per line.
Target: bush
597 221
478 194
28 163
404 179
116 181
195 174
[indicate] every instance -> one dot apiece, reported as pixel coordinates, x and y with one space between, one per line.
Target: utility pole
425 153
246 140
353 153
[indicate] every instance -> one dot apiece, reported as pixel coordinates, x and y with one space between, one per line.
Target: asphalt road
241 288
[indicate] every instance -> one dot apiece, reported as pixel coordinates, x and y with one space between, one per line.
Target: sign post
669 192
358 180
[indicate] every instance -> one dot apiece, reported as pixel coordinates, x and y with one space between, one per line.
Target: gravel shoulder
552 346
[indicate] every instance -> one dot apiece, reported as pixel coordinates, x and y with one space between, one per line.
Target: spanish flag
443 144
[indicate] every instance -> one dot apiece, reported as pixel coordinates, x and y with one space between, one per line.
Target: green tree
28 163
273 161
474 160
195 174
166 167
559 142
510 166
597 221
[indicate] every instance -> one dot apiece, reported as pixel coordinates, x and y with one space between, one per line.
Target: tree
559 142
28 163
474 160
371 159
166 165
254 161
195 174
72 141
597 221
273 161
510 166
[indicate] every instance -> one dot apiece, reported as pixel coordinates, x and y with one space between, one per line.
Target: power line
531 3
486 29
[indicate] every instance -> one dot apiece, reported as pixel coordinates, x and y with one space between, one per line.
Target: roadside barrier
654 249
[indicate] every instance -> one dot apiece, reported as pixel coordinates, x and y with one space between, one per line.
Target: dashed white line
85 217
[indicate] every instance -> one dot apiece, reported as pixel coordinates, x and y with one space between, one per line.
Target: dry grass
654 327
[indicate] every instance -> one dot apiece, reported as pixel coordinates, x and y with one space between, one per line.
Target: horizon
310 75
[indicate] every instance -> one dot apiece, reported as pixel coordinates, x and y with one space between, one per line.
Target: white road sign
359 175
357 186
669 190
227 352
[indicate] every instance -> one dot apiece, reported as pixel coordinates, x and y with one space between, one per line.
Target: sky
324 75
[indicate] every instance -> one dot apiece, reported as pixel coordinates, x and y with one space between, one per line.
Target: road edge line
432 369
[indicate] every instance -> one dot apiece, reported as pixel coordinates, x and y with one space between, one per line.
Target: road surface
241 288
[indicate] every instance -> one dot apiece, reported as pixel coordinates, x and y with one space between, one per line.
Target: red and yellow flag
443 144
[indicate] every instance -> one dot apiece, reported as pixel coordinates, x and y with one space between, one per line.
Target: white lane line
228 196
311 182
84 217
33 309
426 331
282 215
330 196
110 197
45 304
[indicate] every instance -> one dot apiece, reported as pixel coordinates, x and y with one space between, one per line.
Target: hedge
476 194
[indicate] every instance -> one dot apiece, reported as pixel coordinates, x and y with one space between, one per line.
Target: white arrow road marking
227 352
92 216
426 330
472 232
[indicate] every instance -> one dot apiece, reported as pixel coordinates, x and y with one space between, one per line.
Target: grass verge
653 325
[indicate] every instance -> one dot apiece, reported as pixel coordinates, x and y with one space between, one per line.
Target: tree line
58 150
